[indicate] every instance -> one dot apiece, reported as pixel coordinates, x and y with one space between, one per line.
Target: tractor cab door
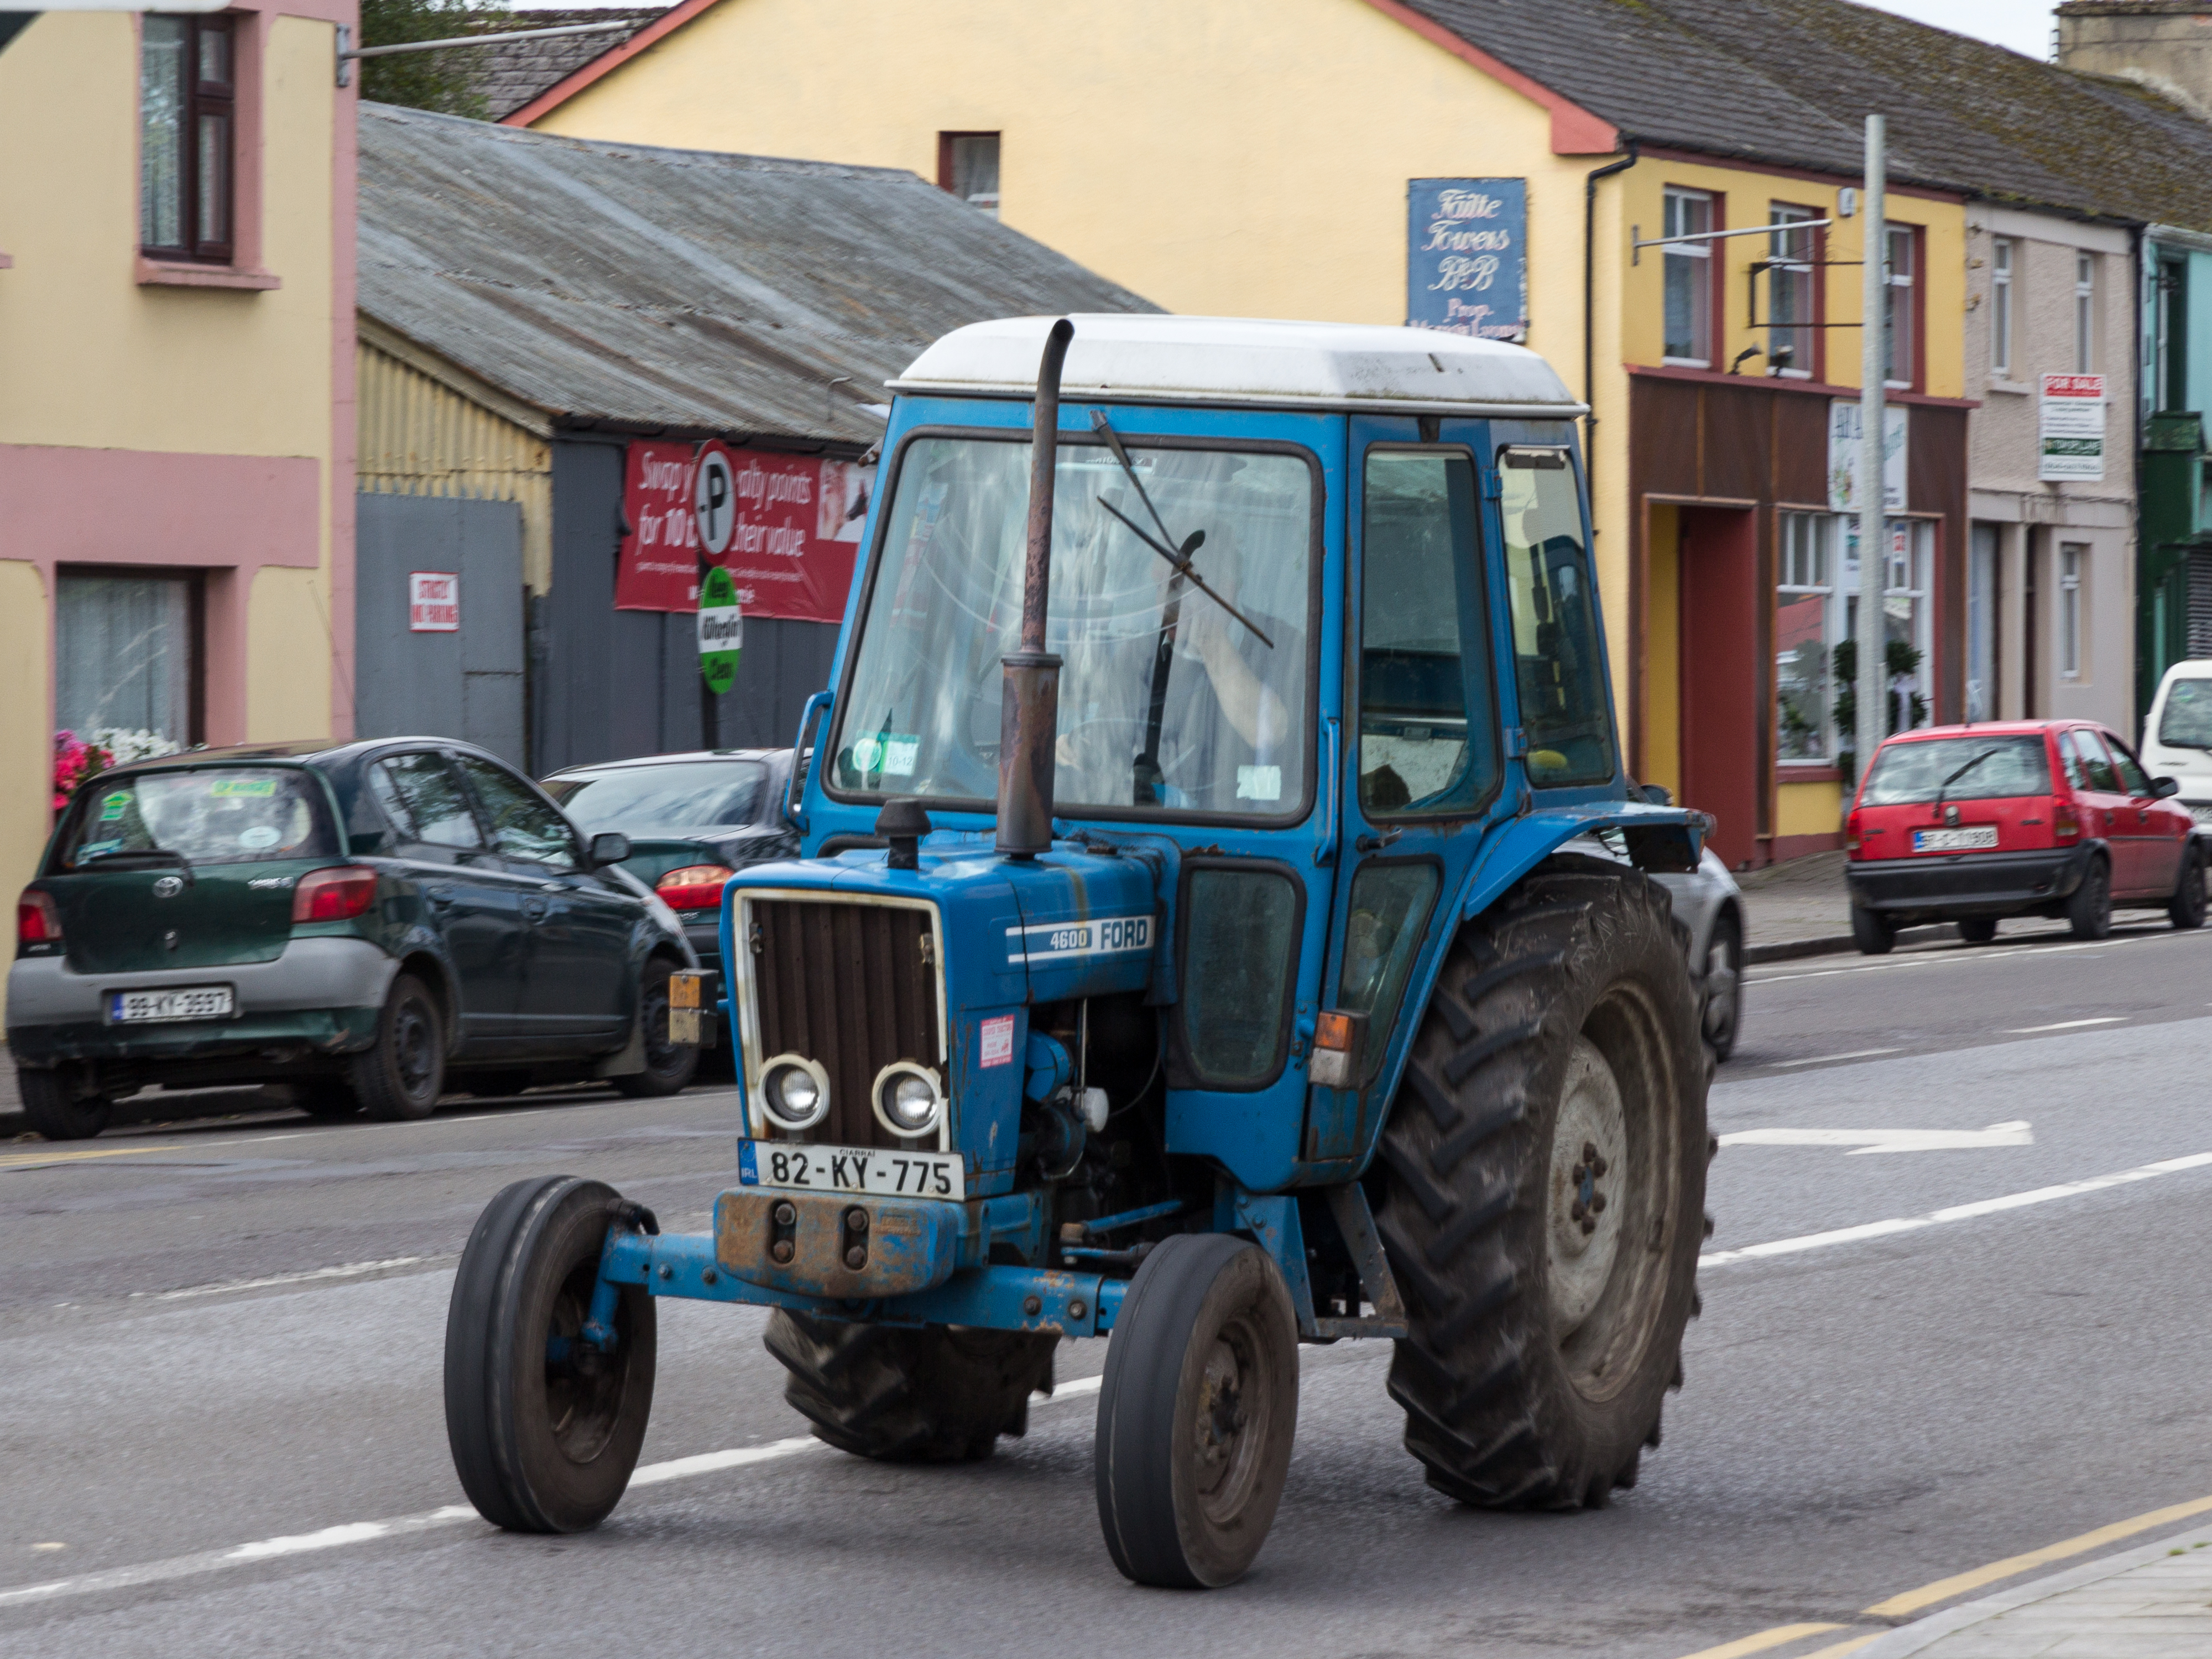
1423 755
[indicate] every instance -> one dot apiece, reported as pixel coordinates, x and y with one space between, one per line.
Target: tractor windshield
1175 695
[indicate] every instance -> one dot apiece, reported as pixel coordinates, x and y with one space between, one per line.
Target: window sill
1787 772
1686 362
176 273
2018 388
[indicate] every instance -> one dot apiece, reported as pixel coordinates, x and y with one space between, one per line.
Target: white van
2178 734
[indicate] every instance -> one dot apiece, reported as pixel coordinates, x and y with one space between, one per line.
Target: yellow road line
1765 1639
1944 1589
32 1160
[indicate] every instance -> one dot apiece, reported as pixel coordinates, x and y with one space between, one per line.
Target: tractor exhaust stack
1029 711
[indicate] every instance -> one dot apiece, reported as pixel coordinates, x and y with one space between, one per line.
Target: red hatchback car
1971 824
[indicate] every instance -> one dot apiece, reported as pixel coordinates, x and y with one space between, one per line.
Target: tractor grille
851 986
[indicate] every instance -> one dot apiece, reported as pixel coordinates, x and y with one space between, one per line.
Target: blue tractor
1187 946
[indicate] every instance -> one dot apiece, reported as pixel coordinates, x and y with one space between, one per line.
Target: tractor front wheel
941 1393
1196 1412
1544 1169
545 1426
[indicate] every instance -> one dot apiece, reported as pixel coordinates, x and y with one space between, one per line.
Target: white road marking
1822 1060
350 1270
400 1526
2066 1025
1955 1212
1863 1141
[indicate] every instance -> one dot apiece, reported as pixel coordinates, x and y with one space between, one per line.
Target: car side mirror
2160 788
609 847
1658 794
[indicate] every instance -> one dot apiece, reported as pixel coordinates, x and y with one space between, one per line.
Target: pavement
1945 1355
1803 908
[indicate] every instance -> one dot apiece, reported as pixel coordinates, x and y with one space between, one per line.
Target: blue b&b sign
1465 269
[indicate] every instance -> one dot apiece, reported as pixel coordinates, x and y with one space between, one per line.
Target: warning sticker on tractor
1058 941
998 1041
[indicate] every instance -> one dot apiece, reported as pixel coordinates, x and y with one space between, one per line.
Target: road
222 1429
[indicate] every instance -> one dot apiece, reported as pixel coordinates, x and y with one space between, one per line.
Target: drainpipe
1589 326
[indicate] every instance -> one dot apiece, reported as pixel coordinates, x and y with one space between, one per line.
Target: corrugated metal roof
509 75
1792 81
645 288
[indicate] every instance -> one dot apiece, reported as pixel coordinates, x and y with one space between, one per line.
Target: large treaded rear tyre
939 1395
544 1430
1542 1348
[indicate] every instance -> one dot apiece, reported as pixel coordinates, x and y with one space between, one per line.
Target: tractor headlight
909 1101
794 1092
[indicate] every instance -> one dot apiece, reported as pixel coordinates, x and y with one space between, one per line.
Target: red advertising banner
659 570
790 550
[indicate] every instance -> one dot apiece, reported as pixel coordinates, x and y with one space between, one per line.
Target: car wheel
1978 930
668 1065
56 1111
1724 986
401 1076
2089 912
1873 932
2187 909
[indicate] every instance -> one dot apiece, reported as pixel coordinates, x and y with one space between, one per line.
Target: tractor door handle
1331 807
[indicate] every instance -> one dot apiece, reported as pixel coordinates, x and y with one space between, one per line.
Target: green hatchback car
373 924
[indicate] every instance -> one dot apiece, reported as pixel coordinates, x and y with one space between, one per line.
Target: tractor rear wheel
1543 1171
939 1395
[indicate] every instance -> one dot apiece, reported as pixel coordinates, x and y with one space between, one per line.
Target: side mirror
2160 788
609 847
1658 794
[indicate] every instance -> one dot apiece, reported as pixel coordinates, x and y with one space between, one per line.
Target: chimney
2164 44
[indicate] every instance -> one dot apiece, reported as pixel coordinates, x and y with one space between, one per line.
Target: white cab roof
1120 357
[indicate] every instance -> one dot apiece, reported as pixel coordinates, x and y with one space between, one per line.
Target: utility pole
1872 696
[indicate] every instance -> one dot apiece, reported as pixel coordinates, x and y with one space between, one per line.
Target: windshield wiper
1164 546
1944 788
137 858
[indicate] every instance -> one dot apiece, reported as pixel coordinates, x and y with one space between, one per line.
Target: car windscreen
1180 603
681 795
208 815
1977 768
2186 720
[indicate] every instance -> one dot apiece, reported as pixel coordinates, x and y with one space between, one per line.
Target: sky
2023 25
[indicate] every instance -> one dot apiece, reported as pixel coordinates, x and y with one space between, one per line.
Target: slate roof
646 288
510 76
1792 81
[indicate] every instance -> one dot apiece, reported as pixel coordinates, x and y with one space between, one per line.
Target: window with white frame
1898 335
1689 280
2073 564
2085 314
1804 627
2000 306
1905 670
1791 254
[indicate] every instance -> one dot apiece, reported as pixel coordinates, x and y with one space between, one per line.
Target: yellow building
1281 158
176 371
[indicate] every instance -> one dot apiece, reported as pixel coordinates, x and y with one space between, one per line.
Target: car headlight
909 1101
794 1092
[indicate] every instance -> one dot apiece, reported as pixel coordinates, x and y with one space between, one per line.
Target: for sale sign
785 527
433 601
2071 421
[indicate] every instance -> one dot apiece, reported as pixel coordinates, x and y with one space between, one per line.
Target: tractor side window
1239 950
1565 716
1389 913
1428 737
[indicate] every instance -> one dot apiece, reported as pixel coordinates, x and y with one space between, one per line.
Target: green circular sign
721 630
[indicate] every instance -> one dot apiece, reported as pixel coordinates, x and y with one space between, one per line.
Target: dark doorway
1721 702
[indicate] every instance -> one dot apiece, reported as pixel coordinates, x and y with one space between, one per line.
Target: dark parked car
1972 824
694 820
372 923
